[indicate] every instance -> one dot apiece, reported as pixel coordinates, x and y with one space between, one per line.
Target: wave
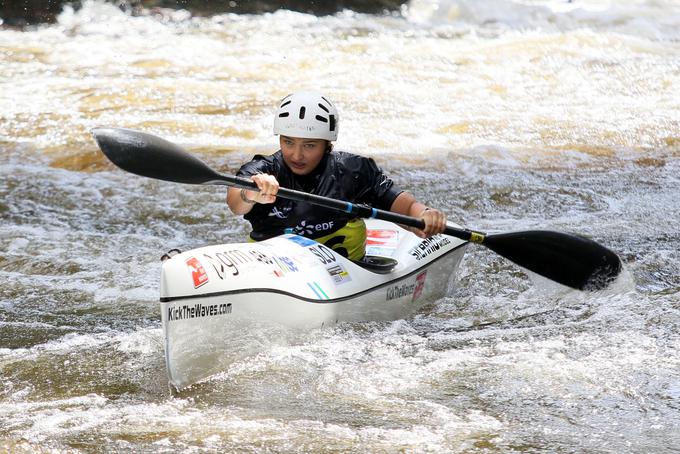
653 19
30 12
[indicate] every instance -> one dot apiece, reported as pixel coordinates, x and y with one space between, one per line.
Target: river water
508 115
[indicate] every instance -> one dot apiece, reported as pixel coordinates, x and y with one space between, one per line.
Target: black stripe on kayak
168 299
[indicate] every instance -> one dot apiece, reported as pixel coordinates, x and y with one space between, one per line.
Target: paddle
571 260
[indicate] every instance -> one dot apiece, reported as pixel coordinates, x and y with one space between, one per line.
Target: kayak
220 303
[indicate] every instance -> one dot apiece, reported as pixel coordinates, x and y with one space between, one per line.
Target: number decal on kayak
324 254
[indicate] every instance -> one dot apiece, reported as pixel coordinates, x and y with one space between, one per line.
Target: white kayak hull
221 303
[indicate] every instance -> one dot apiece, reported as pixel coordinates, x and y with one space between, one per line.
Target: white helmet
307 114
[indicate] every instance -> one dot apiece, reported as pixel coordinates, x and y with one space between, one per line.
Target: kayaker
307 124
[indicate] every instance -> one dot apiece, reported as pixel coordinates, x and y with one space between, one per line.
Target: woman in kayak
306 123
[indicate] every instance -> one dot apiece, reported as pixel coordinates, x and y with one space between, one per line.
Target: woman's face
302 155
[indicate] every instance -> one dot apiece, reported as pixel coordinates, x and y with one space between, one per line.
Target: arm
241 201
402 202
435 220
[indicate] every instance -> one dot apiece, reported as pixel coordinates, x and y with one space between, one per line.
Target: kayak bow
221 303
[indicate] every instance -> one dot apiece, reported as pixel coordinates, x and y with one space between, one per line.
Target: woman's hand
268 186
435 222
241 201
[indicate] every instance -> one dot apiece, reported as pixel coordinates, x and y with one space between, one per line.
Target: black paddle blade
150 156
571 260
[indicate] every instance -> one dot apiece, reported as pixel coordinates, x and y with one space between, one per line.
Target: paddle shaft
571 260
359 210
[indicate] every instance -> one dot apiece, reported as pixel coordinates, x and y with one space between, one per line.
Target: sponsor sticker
284 265
420 285
301 240
381 251
231 262
339 274
197 310
382 242
323 253
382 237
398 291
198 274
429 246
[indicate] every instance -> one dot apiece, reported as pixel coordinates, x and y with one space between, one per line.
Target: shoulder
271 159
262 164
343 156
352 162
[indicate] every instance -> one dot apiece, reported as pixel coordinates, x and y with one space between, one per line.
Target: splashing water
508 115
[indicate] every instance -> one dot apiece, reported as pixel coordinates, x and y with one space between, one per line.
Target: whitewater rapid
508 115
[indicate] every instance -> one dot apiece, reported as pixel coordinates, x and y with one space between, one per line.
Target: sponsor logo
339 274
429 246
230 261
399 291
285 265
281 214
420 285
197 310
301 240
384 238
382 242
382 251
303 229
198 274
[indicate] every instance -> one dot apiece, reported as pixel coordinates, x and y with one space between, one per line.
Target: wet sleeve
381 189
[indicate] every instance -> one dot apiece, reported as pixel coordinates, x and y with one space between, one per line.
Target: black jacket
339 175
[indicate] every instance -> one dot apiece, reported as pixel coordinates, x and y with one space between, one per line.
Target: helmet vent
302 113
332 125
283 114
327 101
286 103
323 107
320 118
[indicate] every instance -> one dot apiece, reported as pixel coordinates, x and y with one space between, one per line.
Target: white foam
502 73
651 19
